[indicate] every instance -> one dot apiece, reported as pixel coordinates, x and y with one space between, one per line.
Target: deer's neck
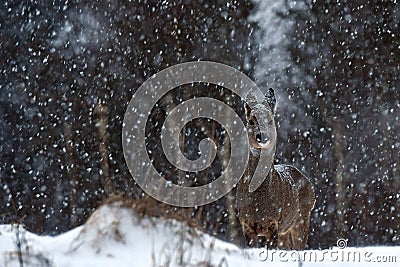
252 165
254 158
255 152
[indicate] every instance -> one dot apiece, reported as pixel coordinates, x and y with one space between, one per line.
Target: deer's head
260 121
261 131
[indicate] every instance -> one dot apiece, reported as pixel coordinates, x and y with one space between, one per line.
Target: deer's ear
270 99
247 110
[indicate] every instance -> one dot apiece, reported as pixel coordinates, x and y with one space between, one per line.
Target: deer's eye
251 122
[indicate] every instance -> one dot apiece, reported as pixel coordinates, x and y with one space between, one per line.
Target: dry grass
180 253
24 255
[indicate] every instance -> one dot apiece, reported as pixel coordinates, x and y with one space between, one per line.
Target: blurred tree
69 70
344 55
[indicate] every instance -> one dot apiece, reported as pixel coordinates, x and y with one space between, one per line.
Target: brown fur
279 210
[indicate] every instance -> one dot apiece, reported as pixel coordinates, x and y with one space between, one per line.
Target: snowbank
115 236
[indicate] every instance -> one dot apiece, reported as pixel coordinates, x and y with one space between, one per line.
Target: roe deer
279 209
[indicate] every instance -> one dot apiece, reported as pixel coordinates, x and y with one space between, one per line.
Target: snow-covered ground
115 236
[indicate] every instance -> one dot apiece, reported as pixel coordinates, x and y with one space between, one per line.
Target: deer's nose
261 138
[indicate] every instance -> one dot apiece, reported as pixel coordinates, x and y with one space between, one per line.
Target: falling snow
69 69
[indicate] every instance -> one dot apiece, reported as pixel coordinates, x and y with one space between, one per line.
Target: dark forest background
69 69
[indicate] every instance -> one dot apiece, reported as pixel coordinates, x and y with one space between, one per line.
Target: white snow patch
115 236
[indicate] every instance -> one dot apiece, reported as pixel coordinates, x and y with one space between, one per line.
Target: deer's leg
273 241
299 232
270 236
301 228
284 241
250 235
251 239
